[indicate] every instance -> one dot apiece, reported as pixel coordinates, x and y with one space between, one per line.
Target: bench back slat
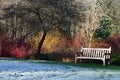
95 52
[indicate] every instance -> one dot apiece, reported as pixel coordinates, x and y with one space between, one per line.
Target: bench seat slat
88 58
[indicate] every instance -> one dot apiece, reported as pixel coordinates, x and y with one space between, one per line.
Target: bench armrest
107 55
79 53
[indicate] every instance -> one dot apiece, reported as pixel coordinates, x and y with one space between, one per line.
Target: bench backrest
95 52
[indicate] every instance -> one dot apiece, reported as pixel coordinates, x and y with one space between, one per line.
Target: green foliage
115 59
111 8
105 28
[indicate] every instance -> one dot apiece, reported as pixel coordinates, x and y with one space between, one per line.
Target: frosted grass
20 70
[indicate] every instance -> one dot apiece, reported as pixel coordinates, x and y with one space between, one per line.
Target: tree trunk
90 40
87 39
40 44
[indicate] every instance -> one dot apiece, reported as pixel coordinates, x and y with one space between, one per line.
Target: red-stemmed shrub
115 43
22 52
15 48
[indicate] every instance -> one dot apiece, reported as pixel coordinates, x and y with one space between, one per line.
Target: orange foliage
53 41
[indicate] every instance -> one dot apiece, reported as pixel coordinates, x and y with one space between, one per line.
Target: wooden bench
94 53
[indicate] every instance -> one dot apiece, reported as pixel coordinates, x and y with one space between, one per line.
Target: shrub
15 48
100 44
6 48
115 43
58 56
53 42
115 59
22 52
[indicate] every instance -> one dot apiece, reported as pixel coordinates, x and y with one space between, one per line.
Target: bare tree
92 13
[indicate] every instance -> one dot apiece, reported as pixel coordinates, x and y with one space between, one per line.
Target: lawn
11 69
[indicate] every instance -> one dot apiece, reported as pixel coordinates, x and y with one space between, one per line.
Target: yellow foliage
53 41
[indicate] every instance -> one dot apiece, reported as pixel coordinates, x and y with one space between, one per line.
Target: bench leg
103 62
109 61
80 60
75 59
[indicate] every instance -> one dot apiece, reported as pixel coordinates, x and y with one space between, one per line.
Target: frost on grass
20 70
